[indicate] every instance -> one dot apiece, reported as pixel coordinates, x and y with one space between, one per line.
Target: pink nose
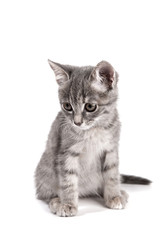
77 123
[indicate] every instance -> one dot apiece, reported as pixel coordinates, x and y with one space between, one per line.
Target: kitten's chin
83 126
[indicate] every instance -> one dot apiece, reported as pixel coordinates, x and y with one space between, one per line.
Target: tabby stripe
71 172
74 154
106 104
71 153
115 179
110 125
68 186
109 167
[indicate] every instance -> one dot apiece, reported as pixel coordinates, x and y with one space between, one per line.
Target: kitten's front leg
67 203
113 196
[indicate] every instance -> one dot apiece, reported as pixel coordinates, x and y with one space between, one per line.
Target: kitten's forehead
79 84
78 90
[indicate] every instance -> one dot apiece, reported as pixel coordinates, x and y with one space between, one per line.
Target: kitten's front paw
62 210
117 202
66 210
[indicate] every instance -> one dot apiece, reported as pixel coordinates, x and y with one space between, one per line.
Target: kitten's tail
129 179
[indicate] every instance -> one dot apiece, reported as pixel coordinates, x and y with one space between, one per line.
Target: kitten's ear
60 74
104 77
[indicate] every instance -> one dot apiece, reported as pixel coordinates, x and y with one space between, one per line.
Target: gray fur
81 155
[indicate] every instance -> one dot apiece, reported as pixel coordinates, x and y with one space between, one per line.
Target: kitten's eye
90 107
67 106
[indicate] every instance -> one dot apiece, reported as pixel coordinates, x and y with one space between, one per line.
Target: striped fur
82 160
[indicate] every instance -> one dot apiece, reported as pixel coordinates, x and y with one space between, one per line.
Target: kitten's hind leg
114 197
62 210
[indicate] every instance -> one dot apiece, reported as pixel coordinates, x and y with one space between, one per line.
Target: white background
133 37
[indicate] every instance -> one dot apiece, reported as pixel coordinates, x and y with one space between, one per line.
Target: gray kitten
81 156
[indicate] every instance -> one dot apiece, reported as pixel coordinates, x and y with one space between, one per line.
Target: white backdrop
133 37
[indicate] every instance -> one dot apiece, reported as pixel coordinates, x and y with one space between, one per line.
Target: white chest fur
98 140
94 143
95 140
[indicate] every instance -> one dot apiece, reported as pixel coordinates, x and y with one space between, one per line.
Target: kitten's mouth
83 126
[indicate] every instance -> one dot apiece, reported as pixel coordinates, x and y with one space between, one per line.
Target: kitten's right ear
60 74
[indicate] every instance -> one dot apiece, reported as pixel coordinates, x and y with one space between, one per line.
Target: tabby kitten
81 156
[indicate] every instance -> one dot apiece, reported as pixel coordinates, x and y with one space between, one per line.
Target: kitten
81 156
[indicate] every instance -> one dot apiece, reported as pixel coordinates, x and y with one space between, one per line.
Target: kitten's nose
78 120
77 123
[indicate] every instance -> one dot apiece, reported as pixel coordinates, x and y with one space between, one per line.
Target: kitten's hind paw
62 210
117 202
54 205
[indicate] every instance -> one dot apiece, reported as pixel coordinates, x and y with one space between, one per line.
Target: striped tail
129 179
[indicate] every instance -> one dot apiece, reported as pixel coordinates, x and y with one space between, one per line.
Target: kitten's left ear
104 77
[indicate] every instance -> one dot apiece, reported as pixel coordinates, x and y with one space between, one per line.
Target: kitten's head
87 94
